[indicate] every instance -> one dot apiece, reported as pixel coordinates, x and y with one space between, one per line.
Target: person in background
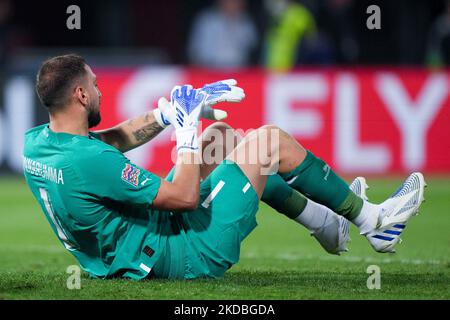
292 24
438 53
223 36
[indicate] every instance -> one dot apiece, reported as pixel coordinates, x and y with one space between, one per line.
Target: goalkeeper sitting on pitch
120 220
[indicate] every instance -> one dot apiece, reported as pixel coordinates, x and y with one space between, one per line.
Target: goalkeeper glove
184 113
220 91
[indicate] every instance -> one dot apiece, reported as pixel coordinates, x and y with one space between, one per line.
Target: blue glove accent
164 120
187 99
215 89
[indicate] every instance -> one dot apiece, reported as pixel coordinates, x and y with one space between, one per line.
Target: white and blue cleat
334 235
395 212
359 187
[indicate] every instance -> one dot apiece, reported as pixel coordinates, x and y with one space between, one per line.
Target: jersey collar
60 137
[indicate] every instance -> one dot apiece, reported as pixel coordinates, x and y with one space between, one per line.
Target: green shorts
206 242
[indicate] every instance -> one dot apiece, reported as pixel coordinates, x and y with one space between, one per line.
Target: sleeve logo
130 174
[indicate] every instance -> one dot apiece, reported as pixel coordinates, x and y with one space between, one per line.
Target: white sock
367 220
313 216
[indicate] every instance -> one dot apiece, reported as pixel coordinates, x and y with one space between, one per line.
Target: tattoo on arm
147 132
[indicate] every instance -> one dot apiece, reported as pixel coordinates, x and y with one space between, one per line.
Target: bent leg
216 142
263 152
219 140
278 152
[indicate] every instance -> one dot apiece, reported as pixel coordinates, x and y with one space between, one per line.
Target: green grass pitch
279 260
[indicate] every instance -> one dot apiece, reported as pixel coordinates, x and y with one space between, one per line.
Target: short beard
94 118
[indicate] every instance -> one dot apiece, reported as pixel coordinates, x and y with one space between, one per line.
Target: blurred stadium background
372 102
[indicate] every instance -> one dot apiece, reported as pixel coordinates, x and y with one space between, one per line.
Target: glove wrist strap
187 140
162 121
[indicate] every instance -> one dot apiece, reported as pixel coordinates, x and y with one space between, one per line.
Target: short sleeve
111 175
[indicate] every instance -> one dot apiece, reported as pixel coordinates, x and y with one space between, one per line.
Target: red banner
358 120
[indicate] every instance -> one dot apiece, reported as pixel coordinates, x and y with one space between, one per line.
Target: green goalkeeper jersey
97 202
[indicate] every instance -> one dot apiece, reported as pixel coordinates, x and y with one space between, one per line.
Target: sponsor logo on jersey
131 174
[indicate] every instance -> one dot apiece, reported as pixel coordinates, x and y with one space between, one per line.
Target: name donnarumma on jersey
43 170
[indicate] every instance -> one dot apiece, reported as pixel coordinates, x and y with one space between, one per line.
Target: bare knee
217 141
269 127
277 136
211 133
222 129
269 133
274 130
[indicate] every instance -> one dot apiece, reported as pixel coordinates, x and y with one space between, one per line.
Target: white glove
159 117
184 113
223 91
220 91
